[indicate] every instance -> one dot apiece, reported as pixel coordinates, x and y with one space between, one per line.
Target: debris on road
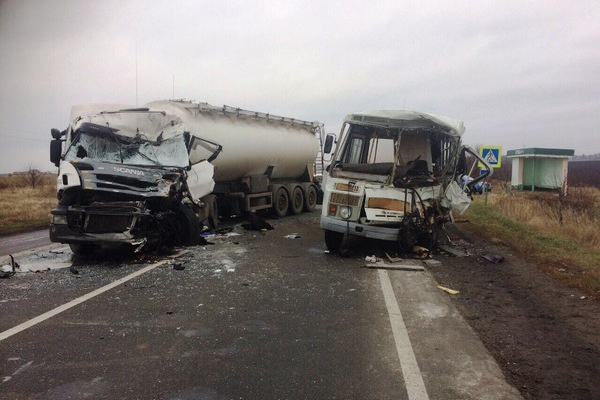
454 251
493 258
292 236
420 251
256 223
448 290
371 259
432 263
374 262
9 270
177 266
393 259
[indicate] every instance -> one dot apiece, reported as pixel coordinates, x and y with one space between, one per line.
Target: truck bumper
61 231
356 229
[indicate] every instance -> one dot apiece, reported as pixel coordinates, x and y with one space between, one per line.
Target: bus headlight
345 212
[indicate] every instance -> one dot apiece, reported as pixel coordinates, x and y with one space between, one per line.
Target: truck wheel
297 200
281 202
333 240
310 200
188 228
82 249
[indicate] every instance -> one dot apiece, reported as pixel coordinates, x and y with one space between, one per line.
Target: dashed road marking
413 379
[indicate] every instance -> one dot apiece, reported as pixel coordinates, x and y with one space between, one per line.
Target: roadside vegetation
26 200
557 232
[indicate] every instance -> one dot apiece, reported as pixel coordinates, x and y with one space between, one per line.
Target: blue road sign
492 155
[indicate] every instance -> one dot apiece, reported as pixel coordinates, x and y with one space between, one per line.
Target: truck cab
125 177
395 177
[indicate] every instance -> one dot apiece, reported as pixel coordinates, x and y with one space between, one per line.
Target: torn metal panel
200 180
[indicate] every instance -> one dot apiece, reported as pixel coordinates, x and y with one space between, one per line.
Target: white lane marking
415 387
40 318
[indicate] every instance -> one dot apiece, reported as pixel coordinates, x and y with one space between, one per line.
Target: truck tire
188 227
297 200
310 199
333 240
281 202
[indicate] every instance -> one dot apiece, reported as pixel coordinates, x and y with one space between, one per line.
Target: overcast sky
518 73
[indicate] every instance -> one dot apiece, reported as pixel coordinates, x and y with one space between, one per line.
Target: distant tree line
584 157
584 173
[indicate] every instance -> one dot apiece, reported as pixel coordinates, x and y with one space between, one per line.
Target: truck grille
108 223
344 199
116 217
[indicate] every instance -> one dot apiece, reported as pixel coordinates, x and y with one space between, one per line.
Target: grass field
23 207
558 233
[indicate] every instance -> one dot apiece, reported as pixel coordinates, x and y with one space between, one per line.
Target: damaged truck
395 176
125 177
153 176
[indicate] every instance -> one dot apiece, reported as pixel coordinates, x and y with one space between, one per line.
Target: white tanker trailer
267 161
149 177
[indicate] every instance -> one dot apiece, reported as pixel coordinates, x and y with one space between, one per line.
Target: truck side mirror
55 151
329 140
56 134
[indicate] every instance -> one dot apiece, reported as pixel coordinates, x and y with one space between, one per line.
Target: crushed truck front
125 178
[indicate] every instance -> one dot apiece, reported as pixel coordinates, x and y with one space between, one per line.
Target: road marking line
47 315
415 387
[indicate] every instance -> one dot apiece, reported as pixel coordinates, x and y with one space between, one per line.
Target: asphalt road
252 316
23 241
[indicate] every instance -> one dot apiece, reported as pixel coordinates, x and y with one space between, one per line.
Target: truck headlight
345 212
58 219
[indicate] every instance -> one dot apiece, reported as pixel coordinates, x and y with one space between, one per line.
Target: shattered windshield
117 149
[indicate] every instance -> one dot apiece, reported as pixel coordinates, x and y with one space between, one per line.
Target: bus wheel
333 240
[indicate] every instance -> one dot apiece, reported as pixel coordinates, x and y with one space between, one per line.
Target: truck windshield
118 149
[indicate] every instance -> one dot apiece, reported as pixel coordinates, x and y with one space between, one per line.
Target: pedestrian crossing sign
492 155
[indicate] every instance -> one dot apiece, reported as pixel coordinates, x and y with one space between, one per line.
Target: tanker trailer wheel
333 240
281 202
187 229
310 200
297 200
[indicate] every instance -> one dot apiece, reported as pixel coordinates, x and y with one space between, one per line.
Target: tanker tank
266 160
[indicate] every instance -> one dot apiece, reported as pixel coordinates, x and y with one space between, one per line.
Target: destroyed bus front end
125 179
395 177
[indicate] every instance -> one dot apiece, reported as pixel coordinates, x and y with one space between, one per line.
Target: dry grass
23 207
574 216
559 233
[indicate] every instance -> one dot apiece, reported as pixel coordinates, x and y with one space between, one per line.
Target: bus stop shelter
539 168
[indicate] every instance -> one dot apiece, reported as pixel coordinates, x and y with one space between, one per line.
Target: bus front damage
395 177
